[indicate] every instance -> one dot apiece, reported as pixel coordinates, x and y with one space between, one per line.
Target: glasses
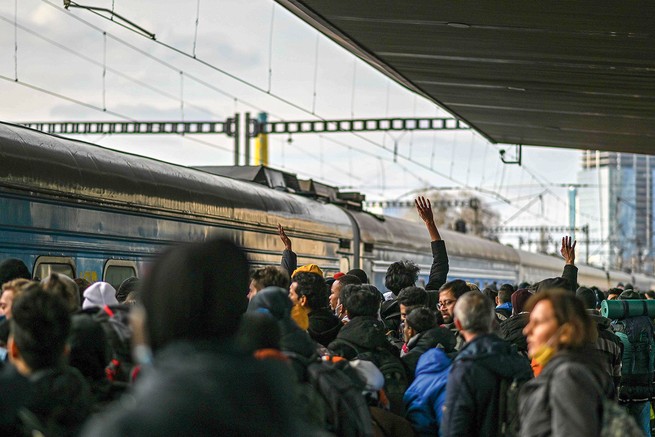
445 303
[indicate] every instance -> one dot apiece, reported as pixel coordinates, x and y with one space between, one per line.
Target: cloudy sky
250 56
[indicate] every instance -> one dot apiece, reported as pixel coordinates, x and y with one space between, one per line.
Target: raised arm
289 258
440 267
570 272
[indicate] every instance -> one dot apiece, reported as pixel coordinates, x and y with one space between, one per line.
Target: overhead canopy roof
567 74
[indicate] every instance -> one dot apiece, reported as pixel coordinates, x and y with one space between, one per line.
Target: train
87 211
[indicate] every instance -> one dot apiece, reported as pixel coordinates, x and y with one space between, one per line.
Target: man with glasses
448 295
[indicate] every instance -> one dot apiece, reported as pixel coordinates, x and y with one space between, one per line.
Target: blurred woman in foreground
566 398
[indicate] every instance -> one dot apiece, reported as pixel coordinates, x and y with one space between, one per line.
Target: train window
116 271
45 265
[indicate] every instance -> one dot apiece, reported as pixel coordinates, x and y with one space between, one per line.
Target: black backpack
636 334
337 383
393 369
508 406
115 322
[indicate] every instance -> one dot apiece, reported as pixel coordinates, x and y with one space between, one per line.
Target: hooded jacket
323 326
610 346
366 333
565 399
424 341
473 389
511 330
99 294
424 399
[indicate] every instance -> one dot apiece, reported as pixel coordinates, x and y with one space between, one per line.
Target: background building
615 199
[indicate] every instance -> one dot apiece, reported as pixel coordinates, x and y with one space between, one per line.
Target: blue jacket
473 388
424 399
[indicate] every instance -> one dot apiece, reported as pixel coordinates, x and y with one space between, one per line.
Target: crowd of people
205 345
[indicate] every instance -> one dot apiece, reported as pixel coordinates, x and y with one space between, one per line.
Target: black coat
511 330
473 388
205 390
420 343
366 333
323 326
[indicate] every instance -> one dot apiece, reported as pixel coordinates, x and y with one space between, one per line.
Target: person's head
195 292
10 291
650 294
628 286
360 300
505 294
448 295
587 297
614 293
558 320
269 276
337 287
401 274
519 299
127 286
410 297
89 348
551 283
133 298
629 294
490 293
39 330
64 287
474 314
99 294
308 290
361 274
419 319
13 268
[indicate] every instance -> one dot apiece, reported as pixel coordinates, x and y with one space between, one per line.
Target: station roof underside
565 74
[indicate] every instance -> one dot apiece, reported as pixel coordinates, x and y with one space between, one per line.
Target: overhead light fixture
458 25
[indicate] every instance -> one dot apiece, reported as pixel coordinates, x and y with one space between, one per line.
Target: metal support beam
473 203
516 229
133 127
361 125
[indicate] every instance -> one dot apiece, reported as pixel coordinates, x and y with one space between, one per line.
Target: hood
99 294
432 361
497 355
272 300
323 323
435 337
364 331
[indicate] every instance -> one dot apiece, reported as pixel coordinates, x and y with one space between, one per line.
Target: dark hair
312 286
64 287
13 268
82 284
127 286
587 297
401 274
270 276
360 300
568 310
650 293
413 296
89 348
40 325
505 293
457 287
349 280
195 292
361 274
616 291
490 294
421 319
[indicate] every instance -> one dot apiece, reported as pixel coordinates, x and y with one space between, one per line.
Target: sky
248 56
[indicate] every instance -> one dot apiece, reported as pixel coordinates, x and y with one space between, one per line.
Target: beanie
310 268
519 298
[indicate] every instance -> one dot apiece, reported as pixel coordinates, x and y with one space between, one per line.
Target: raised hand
424 208
283 237
568 250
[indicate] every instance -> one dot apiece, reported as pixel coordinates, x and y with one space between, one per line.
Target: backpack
115 322
616 422
508 406
393 369
638 366
347 412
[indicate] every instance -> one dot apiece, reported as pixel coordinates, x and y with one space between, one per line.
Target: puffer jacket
473 390
425 397
424 341
565 399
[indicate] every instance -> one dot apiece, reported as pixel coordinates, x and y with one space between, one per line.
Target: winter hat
126 287
13 268
338 275
99 294
519 298
361 274
272 300
311 268
587 296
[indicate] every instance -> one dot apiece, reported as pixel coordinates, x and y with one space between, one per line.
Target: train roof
78 170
